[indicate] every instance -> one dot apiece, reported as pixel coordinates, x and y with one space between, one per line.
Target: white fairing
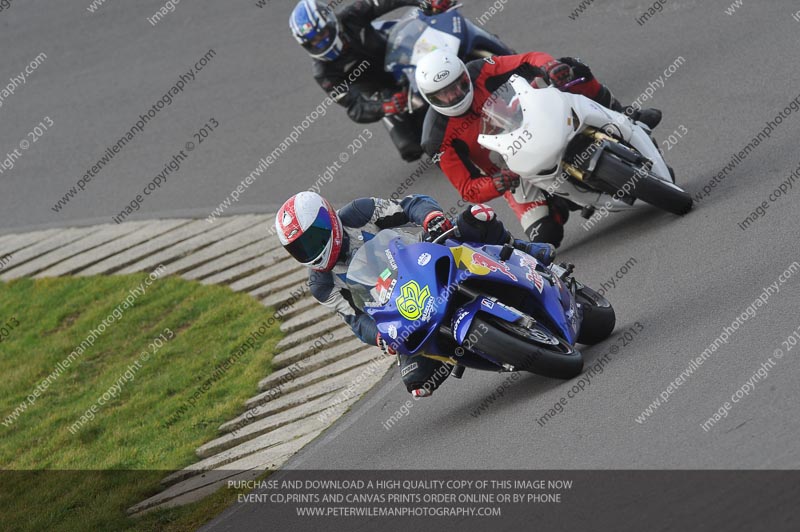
536 148
539 143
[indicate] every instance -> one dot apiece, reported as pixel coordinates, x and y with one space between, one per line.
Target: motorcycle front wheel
512 344
599 318
621 175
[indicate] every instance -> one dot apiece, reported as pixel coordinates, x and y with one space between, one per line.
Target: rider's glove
579 68
436 224
395 105
559 73
385 346
506 180
433 7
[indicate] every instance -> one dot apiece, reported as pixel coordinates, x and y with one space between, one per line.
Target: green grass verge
129 443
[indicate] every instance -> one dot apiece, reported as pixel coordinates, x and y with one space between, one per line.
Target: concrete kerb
321 358
82 246
306 319
14 243
248 432
59 240
221 248
190 245
255 262
77 263
313 347
304 389
319 330
145 249
286 281
235 259
198 487
275 275
284 434
304 304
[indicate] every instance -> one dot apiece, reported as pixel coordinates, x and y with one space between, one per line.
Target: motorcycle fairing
547 291
463 317
417 303
418 296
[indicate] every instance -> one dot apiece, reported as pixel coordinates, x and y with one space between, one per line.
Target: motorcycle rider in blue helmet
349 53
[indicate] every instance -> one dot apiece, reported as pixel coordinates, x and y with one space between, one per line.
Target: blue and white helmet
317 30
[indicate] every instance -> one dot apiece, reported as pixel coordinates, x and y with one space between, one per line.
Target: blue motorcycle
480 306
411 38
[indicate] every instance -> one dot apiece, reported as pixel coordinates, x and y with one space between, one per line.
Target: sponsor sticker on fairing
426 314
390 258
411 301
461 315
385 286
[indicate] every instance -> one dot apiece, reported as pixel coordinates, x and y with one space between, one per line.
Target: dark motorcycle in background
411 38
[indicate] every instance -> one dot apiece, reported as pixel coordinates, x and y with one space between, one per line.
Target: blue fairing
521 270
390 320
470 36
407 287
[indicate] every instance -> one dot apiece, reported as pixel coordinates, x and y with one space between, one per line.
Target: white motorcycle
572 147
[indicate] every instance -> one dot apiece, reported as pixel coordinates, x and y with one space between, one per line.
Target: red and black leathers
452 142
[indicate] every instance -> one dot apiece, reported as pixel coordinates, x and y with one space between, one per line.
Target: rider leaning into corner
453 123
340 44
325 241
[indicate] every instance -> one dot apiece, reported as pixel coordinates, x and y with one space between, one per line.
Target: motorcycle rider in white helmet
325 241
457 92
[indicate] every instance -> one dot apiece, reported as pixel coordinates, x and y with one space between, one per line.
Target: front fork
603 141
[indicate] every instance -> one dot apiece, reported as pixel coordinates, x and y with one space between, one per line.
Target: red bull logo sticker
533 276
478 259
479 263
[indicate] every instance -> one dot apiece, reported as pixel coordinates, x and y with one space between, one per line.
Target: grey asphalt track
691 277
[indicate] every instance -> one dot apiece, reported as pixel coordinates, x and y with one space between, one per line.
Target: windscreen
411 39
372 274
502 112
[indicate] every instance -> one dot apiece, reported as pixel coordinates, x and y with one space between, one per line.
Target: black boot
648 116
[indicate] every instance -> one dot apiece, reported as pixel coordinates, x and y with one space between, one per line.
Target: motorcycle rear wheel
507 343
648 188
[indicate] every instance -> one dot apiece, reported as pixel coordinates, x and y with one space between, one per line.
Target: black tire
506 343
617 173
599 318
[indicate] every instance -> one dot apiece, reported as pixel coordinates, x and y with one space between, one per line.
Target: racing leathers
357 80
361 220
452 142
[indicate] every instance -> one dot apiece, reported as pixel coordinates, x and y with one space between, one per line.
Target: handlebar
443 235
